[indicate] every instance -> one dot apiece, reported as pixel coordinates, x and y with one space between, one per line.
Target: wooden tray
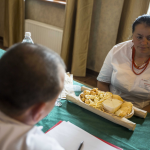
127 116
113 118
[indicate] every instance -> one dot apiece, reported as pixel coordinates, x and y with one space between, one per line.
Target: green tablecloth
1 52
100 127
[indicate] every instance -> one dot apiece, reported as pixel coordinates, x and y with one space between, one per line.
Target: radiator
44 34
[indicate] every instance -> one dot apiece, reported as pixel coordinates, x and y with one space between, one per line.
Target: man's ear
38 112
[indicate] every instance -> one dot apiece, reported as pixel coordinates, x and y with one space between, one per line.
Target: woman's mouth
143 48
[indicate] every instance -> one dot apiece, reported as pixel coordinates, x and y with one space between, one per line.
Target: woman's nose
144 41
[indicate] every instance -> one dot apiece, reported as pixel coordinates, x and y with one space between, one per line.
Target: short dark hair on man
144 19
29 74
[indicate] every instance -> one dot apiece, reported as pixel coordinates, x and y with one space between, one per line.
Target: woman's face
141 39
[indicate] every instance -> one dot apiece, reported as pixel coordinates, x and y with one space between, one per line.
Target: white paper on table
71 88
70 136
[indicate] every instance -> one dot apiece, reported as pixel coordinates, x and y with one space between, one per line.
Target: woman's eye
148 38
139 37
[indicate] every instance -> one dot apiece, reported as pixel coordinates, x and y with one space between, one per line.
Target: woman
126 69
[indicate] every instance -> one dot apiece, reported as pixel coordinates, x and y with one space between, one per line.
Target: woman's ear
38 112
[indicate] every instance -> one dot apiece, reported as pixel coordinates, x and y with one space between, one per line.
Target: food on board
106 102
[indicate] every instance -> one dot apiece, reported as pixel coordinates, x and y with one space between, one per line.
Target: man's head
30 76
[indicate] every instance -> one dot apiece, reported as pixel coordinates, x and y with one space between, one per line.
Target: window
63 2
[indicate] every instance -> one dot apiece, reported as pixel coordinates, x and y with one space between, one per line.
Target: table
100 127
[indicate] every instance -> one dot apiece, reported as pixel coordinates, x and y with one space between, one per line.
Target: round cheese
112 105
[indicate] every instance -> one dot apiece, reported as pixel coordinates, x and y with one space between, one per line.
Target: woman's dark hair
29 74
144 19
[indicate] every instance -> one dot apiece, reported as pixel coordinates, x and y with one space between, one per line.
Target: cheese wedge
112 105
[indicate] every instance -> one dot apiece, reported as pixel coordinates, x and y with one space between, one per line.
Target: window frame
62 2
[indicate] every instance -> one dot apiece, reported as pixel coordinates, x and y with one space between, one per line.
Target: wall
46 12
104 27
1 17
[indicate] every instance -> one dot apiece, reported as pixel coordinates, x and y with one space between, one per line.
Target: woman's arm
103 86
104 77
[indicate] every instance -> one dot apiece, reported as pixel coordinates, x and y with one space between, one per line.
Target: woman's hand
103 86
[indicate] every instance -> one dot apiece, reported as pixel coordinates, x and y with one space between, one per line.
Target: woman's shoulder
124 44
122 47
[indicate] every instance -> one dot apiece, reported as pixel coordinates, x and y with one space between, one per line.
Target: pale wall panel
46 12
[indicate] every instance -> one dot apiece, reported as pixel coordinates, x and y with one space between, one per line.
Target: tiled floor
89 80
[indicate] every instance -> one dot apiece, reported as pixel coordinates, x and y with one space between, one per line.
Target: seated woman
126 69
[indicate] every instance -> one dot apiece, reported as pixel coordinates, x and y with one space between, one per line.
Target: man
31 78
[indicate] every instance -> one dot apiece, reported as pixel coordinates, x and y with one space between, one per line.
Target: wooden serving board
118 120
127 116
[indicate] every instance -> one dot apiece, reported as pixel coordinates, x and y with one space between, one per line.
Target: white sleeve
107 68
37 140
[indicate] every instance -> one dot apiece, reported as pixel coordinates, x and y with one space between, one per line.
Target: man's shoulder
25 138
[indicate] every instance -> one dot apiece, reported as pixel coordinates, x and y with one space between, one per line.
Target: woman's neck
140 59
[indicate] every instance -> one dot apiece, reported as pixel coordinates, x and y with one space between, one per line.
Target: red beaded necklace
133 63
